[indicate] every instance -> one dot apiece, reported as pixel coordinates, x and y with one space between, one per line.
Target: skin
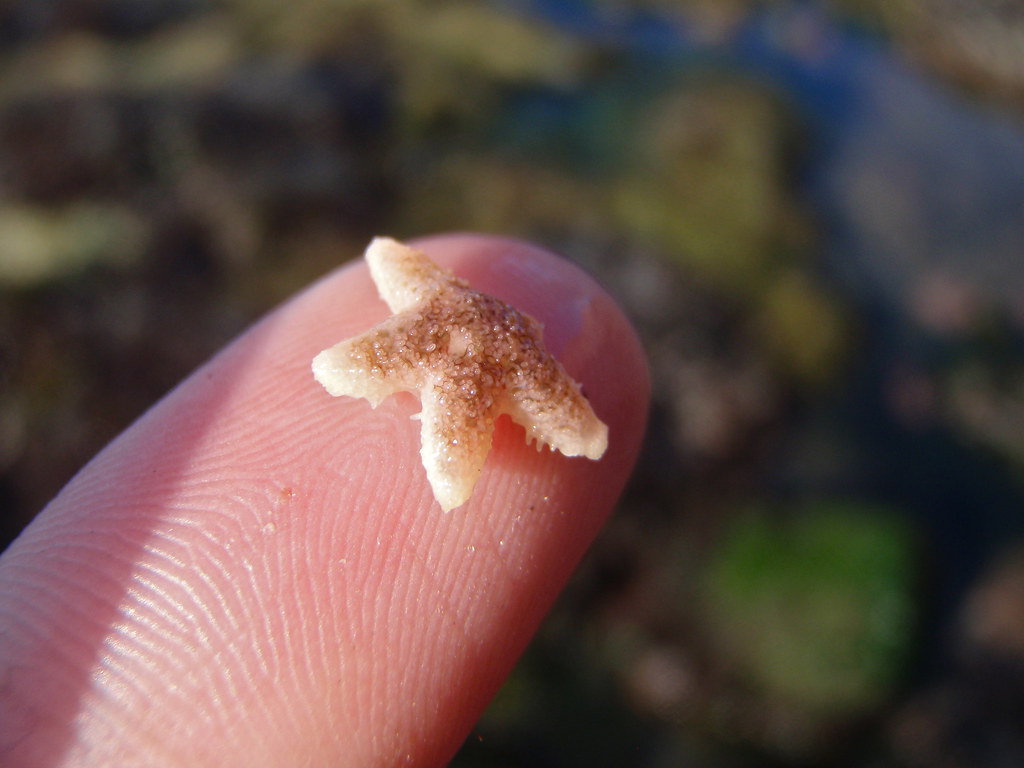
257 574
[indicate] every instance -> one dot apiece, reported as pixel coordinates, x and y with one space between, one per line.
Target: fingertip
289 579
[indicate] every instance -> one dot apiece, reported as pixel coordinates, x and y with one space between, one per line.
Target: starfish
471 358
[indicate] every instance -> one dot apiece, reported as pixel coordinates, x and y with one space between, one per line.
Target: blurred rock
974 716
38 244
985 400
975 43
993 620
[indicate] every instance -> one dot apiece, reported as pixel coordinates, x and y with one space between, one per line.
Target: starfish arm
456 437
405 277
373 365
553 411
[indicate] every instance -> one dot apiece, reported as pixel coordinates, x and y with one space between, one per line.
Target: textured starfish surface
470 357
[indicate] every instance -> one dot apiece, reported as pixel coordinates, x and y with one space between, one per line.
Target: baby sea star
471 358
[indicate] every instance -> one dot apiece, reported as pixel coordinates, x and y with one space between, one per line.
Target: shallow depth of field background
813 212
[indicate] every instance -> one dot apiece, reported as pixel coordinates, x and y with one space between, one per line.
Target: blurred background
813 212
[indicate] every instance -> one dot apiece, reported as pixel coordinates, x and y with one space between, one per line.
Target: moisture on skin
470 358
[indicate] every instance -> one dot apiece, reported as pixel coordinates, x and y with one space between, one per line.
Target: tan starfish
471 358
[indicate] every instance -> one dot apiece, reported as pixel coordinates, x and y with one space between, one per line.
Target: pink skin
256 573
